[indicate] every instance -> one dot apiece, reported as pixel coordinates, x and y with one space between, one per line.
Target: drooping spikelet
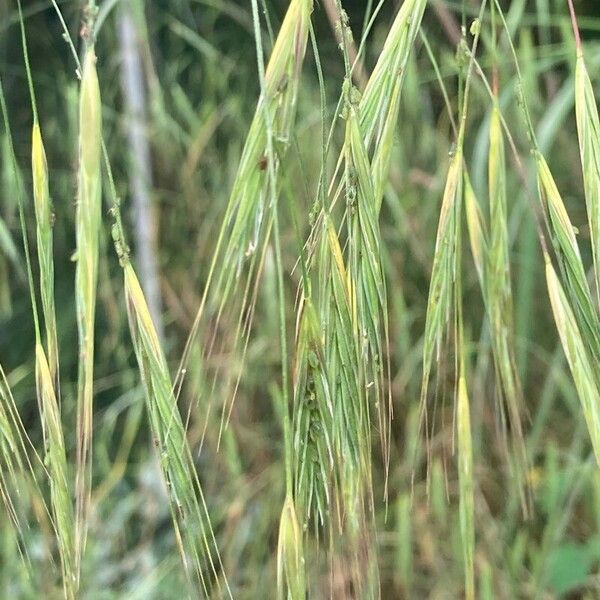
43 217
193 530
86 274
583 368
291 578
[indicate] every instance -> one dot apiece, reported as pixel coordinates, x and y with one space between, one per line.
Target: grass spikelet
499 303
465 484
43 217
86 274
193 531
367 274
56 461
588 129
312 420
291 579
571 266
444 270
349 419
380 103
245 229
583 368
476 227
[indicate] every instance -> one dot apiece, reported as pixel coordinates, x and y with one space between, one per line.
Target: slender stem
20 194
574 24
27 65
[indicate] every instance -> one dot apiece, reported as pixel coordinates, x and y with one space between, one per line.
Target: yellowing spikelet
43 217
291 580
55 459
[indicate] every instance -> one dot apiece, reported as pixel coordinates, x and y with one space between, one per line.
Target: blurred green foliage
201 79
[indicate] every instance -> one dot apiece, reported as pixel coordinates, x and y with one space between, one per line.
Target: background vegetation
486 489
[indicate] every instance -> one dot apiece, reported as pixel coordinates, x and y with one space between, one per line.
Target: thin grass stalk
88 219
465 484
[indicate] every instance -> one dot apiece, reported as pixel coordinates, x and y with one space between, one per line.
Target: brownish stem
359 73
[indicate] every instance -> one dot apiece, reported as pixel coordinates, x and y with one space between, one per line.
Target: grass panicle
380 103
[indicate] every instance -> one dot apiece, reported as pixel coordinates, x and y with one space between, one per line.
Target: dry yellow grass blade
43 217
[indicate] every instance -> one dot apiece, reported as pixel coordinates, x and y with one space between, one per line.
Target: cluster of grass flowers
340 460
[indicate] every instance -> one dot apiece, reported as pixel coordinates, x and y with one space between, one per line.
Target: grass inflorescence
409 422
